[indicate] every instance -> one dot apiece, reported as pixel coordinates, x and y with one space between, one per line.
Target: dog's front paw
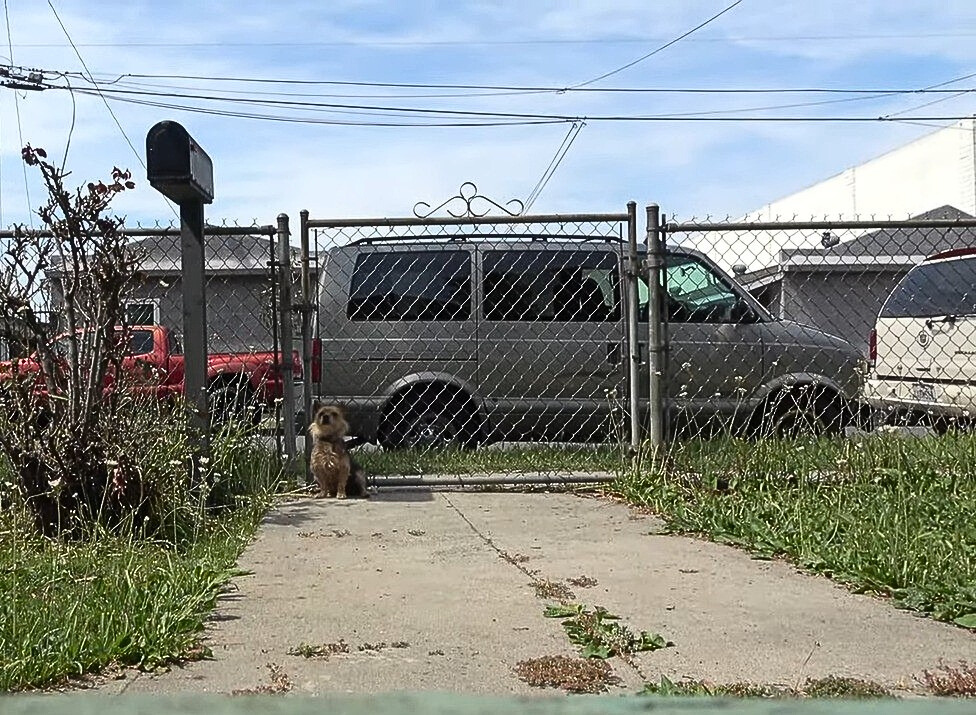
341 495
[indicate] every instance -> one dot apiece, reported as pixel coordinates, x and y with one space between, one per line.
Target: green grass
494 459
889 515
73 607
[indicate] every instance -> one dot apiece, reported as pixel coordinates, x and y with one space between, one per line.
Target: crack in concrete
534 576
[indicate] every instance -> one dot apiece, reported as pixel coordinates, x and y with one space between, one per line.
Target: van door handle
613 353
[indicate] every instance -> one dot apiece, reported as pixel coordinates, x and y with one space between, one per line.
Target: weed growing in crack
553 590
280 683
574 675
514 559
598 633
326 650
375 647
666 687
582 582
951 681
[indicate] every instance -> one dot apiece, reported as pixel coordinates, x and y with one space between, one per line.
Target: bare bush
66 406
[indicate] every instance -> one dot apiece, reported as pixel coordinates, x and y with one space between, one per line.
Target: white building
934 170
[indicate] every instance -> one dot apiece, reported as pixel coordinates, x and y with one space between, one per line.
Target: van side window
411 286
551 286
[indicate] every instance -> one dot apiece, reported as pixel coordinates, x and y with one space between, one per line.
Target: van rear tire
429 419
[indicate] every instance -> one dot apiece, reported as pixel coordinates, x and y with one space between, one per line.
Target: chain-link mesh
242 274
499 334
504 339
826 326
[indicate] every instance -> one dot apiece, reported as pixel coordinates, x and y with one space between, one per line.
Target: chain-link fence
507 331
503 333
243 278
826 325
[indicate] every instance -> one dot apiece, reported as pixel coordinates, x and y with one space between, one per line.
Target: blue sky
690 169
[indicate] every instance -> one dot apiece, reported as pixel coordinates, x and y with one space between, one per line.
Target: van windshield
934 289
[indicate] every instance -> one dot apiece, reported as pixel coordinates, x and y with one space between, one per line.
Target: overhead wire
954 94
663 47
71 129
104 101
319 121
518 88
557 159
20 132
524 42
92 80
118 94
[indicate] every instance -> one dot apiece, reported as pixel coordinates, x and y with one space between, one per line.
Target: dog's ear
316 405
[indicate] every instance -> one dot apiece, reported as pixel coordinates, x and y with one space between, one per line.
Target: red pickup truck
239 383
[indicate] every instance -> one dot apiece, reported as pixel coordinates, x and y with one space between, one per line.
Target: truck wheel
232 401
429 421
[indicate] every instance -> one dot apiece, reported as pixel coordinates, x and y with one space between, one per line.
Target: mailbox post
182 171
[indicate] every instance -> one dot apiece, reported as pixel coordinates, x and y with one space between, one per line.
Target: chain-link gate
827 326
483 346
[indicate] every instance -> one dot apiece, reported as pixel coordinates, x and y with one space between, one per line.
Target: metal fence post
194 283
287 342
655 328
633 337
308 309
275 338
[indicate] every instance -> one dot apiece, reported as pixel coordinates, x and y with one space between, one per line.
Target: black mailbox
178 167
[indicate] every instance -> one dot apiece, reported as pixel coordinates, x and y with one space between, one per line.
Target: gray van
465 339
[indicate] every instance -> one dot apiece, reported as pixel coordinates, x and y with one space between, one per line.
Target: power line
955 93
522 88
475 118
71 129
663 47
92 80
525 42
20 133
557 159
428 111
335 122
104 101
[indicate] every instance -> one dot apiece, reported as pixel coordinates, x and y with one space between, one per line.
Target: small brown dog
335 472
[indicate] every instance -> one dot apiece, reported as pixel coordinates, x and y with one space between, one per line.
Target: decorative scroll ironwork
474 205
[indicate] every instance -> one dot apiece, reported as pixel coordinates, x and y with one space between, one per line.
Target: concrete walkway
447 578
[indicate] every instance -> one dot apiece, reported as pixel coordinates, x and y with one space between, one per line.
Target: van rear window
934 289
